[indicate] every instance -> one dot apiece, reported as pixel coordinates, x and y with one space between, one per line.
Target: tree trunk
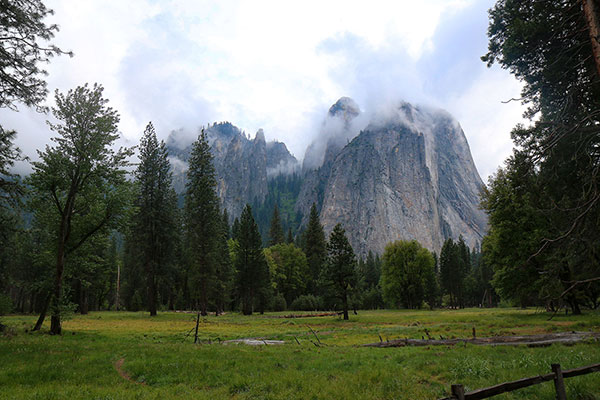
84 301
55 324
151 289
590 9
247 305
575 306
197 323
117 299
42 317
204 299
346 307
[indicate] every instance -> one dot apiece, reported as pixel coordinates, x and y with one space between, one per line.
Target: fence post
559 383
458 391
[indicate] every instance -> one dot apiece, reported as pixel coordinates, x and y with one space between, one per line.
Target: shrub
6 305
306 303
278 303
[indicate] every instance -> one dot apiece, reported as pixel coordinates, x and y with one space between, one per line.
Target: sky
277 65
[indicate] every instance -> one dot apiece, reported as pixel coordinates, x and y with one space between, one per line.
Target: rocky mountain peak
346 108
260 136
408 175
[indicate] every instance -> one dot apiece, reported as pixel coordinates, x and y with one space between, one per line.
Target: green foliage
278 303
368 293
455 266
407 268
339 274
154 225
306 302
276 231
288 269
516 230
224 271
22 33
546 198
315 248
282 192
6 305
78 187
10 189
202 223
252 280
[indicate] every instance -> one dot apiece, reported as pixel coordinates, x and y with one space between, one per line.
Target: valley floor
125 355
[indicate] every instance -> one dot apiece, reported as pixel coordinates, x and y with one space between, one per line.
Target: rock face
279 160
242 165
407 175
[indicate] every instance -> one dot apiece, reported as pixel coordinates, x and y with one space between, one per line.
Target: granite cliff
408 174
242 165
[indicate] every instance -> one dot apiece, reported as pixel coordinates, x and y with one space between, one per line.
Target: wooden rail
557 376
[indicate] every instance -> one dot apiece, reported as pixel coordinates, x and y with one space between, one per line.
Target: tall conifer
276 232
315 248
154 222
251 266
202 222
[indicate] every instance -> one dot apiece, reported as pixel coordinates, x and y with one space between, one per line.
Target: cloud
447 74
273 65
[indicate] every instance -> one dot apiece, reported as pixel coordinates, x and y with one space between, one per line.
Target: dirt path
567 338
123 374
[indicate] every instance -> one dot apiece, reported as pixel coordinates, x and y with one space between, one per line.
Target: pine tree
276 232
235 228
315 248
252 279
224 271
453 267
340 270
290 237
226 223
202 222
154 222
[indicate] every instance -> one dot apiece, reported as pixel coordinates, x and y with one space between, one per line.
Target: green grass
80 363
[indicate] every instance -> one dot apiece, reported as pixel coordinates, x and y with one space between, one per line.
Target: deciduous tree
81 178
407 269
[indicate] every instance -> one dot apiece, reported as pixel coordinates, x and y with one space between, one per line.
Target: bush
306 303
136 302
6 305
372 299
278 303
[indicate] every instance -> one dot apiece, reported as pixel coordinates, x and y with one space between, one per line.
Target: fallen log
567 338
329 314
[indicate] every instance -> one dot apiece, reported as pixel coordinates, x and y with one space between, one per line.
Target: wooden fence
557 375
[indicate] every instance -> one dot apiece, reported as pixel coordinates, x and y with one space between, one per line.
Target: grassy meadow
162 363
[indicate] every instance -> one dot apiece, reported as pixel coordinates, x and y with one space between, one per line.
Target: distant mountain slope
242 165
